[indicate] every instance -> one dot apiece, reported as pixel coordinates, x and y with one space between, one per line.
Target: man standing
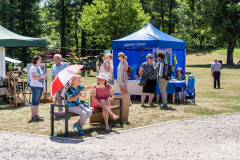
161 79
56 68
215 70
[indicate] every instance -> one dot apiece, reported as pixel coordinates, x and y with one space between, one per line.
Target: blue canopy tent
148 40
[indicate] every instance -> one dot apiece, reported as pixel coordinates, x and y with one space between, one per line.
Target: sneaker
151 105
142 105
165 107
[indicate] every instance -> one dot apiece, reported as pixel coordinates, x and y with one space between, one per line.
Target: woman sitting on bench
73 93
102 97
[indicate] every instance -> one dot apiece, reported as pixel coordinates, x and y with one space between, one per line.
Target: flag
175 59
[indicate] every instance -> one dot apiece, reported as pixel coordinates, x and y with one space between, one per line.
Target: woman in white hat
102 95
179 75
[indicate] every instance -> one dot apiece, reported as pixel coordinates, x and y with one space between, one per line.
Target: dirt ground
215 137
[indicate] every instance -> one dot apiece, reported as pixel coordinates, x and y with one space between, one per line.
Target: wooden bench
67 114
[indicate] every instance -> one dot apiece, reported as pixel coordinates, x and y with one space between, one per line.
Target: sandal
115 117
39 117
34 118
107 128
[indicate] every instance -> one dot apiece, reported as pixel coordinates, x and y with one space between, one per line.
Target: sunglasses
110 57
150 57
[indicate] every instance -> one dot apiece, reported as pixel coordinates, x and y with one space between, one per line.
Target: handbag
143 80
111 81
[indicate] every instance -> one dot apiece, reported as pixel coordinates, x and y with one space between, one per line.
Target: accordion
164 70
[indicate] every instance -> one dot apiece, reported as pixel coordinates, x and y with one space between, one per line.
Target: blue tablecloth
172 87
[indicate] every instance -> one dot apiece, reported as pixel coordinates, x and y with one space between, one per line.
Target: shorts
150 86
36 95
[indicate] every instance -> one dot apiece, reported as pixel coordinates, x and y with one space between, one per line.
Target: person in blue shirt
73 94
56 68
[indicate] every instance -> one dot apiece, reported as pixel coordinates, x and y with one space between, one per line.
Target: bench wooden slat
62 113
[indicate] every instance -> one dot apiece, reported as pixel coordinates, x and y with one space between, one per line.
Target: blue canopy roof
148 37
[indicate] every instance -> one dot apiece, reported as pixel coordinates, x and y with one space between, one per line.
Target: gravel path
216 137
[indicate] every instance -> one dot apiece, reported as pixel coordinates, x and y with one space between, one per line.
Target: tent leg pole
45 70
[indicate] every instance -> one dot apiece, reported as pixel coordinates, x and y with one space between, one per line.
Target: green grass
209 101
236 52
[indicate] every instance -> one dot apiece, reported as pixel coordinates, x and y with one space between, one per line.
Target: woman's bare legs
33 111
36 110
143 97
106 112
124 90
151 95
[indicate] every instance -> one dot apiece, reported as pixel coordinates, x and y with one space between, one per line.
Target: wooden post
9 88
14 83
23 89
157 98
173 100
182 96
45 70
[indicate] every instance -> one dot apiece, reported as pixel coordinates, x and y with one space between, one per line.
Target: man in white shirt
215 70
56 68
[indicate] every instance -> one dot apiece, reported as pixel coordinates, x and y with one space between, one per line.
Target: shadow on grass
99 129
209 66
12 108
90 76
32 120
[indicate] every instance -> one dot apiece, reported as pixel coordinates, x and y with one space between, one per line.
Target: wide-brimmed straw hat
103 76
179 69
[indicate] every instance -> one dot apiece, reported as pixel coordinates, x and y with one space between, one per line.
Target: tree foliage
223 18
93 24
106 20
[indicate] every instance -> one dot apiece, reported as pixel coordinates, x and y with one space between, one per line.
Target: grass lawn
236 52
209 101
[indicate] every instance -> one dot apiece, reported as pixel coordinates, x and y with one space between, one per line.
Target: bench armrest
116 101
58 105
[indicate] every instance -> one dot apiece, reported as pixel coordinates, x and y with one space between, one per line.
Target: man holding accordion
164 74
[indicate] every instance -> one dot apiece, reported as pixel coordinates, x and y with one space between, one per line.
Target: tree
106 20
21 17
224 19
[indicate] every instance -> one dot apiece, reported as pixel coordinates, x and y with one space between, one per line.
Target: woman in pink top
102 97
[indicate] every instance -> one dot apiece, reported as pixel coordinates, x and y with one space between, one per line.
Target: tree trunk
63 26
231 47
23 29
11 25
162 14
201 42
170 18
76 32
83 44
